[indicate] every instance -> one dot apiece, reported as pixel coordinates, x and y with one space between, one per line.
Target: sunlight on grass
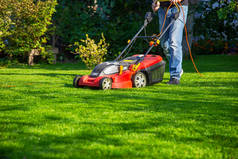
43 116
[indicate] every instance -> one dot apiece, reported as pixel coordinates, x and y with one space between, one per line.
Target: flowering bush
91 53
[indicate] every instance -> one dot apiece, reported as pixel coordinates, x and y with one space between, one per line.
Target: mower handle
148 19
174 18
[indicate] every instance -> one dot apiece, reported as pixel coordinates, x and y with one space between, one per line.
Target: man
171 42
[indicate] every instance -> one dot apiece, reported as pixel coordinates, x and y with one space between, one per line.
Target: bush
92 54
209 26
47 55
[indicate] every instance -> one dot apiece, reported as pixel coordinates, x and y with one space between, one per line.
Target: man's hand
175 1
155 5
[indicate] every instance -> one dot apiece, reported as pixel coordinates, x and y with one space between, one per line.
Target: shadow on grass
84 143
58 66
215 84
13 108
38 74
112 124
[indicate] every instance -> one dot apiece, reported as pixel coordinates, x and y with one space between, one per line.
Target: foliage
47 54
42 116
23 24
227 8
5 22
208 46
104 8
29 21
118 20
208 26
73 20
91 53
5 62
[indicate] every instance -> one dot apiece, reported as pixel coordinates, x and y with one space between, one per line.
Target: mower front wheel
139 80
76 81
105 83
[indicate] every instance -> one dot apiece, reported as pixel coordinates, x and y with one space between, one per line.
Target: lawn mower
126 72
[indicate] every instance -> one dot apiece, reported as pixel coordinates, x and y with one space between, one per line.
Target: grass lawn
43 117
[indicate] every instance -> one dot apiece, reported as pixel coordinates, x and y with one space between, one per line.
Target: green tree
29 20
5 22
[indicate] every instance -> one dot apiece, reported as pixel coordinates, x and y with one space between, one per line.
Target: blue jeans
171 42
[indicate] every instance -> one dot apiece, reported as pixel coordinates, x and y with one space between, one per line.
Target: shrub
209 26
91 54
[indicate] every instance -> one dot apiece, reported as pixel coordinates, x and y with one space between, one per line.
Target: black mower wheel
105 83
76 81
139 80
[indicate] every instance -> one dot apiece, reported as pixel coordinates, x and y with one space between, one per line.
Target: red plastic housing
123 80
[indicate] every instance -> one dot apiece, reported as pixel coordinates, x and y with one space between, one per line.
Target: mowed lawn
43 117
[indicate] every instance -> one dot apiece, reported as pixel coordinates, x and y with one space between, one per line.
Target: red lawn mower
135 71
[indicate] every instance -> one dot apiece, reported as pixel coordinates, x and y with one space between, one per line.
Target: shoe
173 81
181 73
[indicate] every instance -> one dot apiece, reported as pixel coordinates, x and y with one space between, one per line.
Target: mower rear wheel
105 83
76 81
139 80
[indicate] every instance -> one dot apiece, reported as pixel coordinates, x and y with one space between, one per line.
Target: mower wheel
75 81
105 83
139 80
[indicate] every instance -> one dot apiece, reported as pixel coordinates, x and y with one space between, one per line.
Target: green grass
43 117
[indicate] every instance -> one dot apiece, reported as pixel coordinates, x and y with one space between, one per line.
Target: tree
5 22
25 25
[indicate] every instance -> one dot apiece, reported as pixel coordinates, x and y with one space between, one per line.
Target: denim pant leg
175 43
164 41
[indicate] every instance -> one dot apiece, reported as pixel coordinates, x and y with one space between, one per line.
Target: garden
44 44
